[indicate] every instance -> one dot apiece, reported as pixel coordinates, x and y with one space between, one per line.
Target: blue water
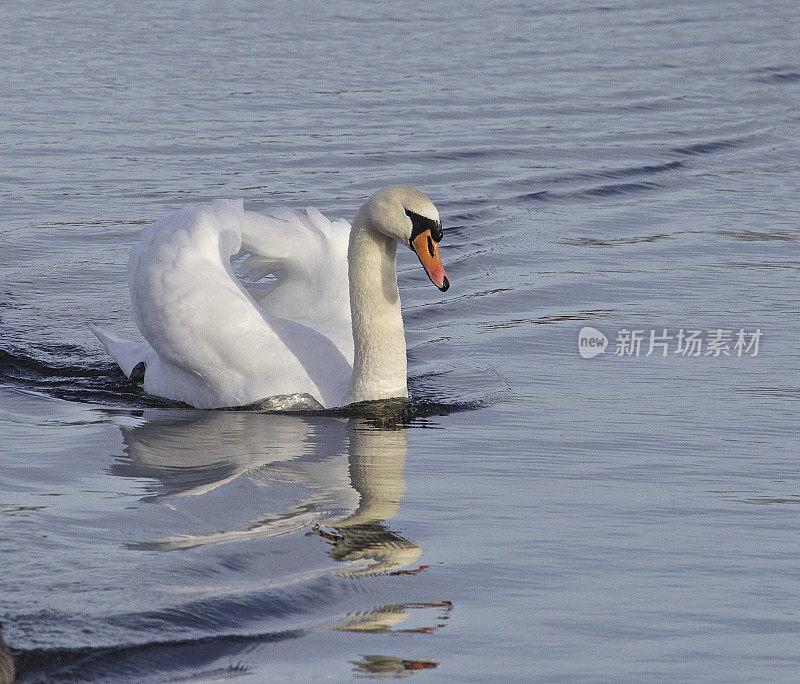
532 514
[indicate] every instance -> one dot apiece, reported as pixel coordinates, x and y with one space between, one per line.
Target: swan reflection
349 471
384 620
384 666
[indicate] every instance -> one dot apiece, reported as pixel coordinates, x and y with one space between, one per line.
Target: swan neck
379 361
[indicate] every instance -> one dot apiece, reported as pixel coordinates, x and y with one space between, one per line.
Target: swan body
327 326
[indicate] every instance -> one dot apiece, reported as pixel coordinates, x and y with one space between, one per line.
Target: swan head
407 216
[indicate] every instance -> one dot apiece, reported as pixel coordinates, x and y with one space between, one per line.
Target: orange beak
428 252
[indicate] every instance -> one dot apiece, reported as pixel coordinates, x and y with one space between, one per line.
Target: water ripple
144 661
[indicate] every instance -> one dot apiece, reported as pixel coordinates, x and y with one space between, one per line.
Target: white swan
329 327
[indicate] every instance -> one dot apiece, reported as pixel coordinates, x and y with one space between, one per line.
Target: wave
778 74
52 371
141 662
596 180
219 656
47 371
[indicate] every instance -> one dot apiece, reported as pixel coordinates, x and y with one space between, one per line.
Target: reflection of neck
377 460
379 363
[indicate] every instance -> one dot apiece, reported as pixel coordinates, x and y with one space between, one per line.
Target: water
532 514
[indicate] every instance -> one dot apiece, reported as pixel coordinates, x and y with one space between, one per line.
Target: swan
326 330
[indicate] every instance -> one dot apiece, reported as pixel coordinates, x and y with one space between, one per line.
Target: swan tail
126 353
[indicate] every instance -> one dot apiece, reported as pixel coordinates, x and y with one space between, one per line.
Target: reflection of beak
428 252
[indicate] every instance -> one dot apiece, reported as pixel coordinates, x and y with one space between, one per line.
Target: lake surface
532 514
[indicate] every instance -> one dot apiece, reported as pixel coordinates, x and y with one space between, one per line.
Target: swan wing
214 345
307 256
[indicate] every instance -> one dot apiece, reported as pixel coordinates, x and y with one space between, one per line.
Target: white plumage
212 342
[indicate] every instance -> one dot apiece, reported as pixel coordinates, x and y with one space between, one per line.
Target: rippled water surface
532 514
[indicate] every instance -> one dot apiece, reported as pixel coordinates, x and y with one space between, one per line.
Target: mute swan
329 328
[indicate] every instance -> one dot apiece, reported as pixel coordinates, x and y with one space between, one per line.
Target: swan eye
430 246
421 223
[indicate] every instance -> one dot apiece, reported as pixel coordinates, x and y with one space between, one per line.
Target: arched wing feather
215 345
308 255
